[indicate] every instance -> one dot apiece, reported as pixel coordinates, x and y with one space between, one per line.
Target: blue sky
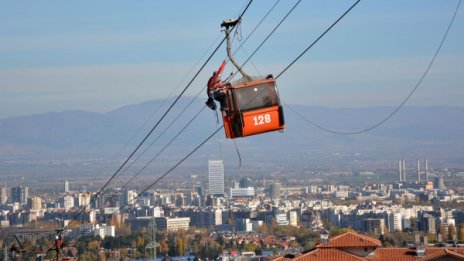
100 55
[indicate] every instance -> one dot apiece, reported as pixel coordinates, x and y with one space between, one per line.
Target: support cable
256 26
164 148
275 28
156 125
163 132
315 41
154 112
399 106
170 170
156 181
268 36
192 100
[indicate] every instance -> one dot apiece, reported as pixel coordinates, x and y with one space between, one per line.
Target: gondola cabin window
256 97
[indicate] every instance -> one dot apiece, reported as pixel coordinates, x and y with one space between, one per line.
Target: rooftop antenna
228 24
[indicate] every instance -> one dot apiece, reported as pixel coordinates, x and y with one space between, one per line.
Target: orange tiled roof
407 254
351 239
334 251
394 253
434 253
328 254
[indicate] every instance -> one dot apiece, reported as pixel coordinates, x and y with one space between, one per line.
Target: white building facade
216 177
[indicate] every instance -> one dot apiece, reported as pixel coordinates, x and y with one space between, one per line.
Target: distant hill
415 132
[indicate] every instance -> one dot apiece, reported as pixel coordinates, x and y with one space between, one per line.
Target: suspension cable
164 148
175 166
268 36
397 107
171 169
315 41
163 132
256 26
146 136
156 110
192 100
156 125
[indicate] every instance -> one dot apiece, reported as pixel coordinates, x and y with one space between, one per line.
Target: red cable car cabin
252 108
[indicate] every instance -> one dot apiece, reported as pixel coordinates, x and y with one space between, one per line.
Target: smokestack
418 171
426 170
404 171
400 171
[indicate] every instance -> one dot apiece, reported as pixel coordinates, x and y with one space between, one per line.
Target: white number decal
262 119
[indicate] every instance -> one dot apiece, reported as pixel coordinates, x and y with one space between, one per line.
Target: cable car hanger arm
227 24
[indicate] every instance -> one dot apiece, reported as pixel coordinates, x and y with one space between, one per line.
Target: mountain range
435 133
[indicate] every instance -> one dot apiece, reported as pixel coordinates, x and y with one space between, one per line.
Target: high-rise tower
274 191
400 170
418 171
19 194
3 195
426 170
216 177
66 186
441 182
404 171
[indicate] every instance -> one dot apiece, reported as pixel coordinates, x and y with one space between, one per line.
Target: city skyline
108 150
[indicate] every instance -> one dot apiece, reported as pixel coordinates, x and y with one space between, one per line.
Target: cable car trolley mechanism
250 105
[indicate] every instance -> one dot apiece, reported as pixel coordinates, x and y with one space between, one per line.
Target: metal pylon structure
153 244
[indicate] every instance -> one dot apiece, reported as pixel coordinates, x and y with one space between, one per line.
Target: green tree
123 252
220 240
451 231
339 231
443 231
94 244
432 238
140 243
309 245
88 256
250 247
461 233
180 246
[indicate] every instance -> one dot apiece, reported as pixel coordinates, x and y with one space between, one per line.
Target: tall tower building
67 202
426 170
35 203
128 197
66 186
400 170
83 199
441 182
3 195
404 171
418 171
19 194
216 177
274 191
